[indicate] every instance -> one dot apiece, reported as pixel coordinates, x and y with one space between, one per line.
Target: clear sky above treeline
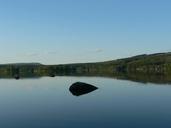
70 31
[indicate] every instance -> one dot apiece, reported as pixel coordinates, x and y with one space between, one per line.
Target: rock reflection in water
17 76
79 88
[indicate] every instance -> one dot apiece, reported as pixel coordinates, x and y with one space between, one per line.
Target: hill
159 63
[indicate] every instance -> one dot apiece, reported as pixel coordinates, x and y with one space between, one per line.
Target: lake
47 102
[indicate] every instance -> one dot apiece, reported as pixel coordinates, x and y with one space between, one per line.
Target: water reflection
79 88
17 76
47 102
143 78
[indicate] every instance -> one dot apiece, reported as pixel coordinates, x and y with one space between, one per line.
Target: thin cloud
52 52
35 54
98 50
32 54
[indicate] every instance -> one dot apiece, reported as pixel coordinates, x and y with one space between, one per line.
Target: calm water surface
47 103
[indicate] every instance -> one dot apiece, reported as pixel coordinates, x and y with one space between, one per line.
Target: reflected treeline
146 78
137 77
20 71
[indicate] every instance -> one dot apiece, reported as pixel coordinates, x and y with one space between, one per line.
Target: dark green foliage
159 63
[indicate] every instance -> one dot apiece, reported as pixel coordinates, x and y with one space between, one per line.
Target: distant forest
159 63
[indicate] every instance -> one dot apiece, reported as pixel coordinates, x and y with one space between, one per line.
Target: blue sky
71 31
